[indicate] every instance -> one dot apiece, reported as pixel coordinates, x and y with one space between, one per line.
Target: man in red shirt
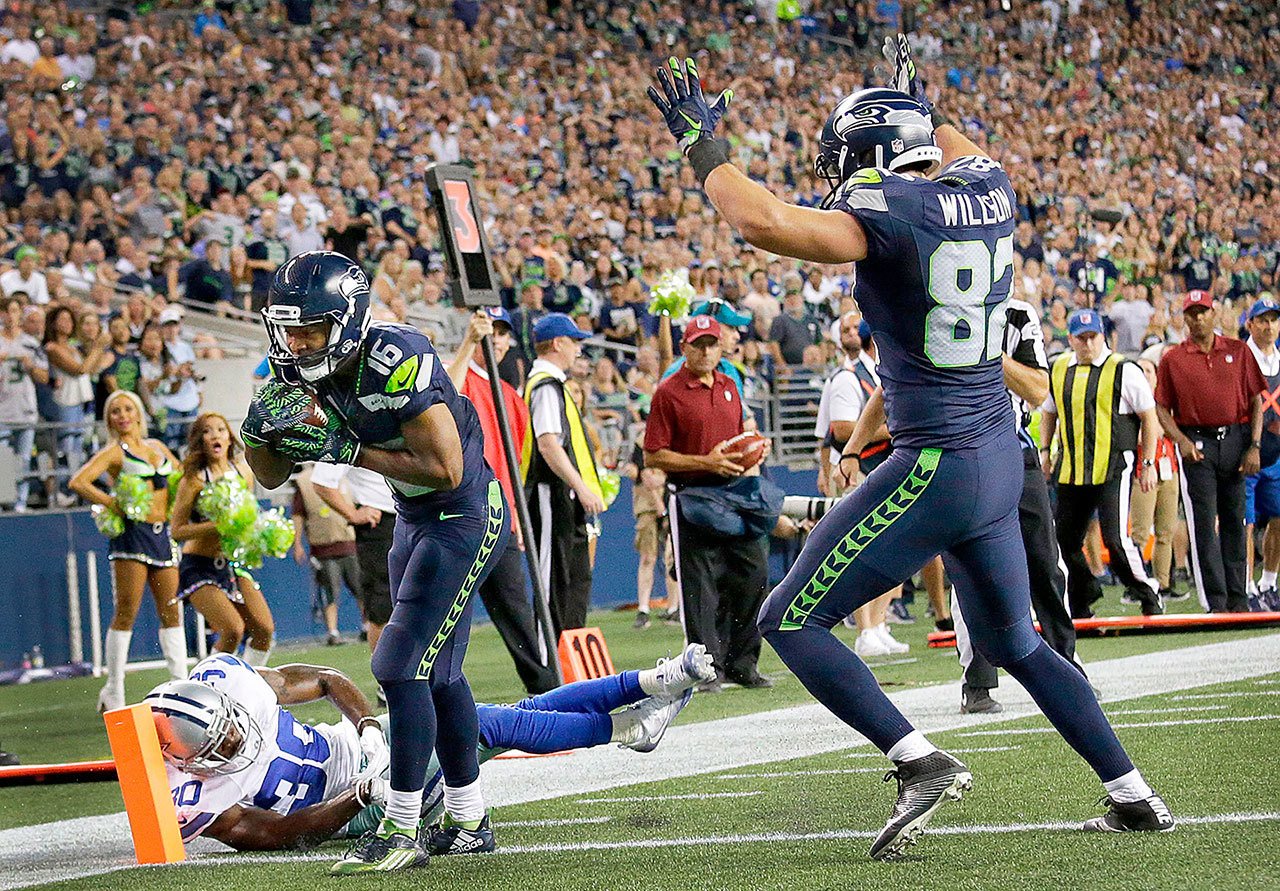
694 413
503 592
1209 401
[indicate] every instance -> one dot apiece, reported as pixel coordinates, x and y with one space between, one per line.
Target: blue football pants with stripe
921 502
436 565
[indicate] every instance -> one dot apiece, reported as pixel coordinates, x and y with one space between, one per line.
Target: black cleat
447 837
385 849
978 701
924 785
1150 814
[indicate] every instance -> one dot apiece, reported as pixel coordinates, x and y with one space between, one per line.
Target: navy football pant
438 560
920 502
575 716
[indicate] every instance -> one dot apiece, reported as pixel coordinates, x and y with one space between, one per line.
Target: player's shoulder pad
401 359
871 188
969 171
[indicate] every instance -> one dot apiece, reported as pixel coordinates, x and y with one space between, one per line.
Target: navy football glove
905 79
275 408
688 115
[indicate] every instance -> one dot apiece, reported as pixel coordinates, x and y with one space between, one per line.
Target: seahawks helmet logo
877 114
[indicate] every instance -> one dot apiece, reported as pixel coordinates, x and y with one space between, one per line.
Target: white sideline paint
769 837
1225 719
96 845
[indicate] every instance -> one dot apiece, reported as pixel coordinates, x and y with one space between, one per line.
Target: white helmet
203 731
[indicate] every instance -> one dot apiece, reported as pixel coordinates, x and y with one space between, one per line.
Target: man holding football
371 394
928 217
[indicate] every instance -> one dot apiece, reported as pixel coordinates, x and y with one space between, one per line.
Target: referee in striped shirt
1026 374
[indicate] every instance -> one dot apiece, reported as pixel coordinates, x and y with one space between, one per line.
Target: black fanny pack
747 507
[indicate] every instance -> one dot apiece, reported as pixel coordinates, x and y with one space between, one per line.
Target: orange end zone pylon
1102 627
583 655
135 747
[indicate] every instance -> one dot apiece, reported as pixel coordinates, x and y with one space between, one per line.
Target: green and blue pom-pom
672 295
133 497
109 523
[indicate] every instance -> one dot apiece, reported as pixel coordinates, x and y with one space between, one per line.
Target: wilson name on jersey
399 377
933 288
299 765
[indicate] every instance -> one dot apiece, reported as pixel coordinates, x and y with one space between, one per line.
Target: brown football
316 417
749 446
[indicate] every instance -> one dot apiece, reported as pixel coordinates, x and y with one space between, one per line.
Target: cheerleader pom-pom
672 295
173 480
109 523
228 502
133 495
275 534
610 486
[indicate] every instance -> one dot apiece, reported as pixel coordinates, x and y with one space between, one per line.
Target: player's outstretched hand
377 755
688 115
905 79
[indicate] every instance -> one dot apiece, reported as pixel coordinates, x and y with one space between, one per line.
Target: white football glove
372 791
377 757
905 78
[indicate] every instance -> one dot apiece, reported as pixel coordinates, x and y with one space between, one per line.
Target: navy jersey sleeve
882 202
408 370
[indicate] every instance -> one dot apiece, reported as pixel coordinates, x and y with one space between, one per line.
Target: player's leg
989 570
163 581
884 531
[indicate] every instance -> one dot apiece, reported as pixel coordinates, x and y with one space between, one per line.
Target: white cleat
676 676
650 719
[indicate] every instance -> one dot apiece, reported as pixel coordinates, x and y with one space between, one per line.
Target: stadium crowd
183 154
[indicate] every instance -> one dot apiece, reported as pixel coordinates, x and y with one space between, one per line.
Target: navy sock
1067 700
842 682
413 732
458 734
540 732
599 695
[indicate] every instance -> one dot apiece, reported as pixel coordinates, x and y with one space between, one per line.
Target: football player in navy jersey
376 395
928 217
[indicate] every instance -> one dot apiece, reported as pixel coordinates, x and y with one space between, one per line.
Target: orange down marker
144 785
583 655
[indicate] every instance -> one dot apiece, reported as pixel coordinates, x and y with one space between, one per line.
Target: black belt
1217 433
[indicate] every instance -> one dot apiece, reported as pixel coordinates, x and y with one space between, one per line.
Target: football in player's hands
746 449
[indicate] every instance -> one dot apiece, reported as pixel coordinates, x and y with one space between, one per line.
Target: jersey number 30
963 329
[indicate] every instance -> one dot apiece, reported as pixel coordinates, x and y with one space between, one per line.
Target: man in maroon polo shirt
1208 398
694 413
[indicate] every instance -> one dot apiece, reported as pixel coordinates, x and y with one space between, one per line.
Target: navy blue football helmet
875 128
314 287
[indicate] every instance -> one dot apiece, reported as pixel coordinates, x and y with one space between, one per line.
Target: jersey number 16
964 329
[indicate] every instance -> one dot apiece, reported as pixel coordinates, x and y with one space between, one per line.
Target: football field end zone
100 844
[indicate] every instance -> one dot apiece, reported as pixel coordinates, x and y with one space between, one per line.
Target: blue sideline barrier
34 598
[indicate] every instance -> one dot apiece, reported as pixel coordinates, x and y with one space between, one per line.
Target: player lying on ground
928 217
244 771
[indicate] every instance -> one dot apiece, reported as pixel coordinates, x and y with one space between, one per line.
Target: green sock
390 827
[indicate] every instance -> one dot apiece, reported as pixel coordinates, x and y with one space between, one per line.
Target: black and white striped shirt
1024 344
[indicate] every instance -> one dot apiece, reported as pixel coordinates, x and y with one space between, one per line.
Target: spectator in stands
302 234
265 255
20 369
70 366
794 328
26 278
1212 409
180 394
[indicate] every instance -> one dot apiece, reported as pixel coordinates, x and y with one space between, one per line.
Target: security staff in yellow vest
1098 403
559 471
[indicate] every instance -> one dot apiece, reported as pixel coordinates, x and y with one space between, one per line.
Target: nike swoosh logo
444 516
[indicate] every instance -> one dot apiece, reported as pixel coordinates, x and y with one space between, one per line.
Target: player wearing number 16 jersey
351 391
929 220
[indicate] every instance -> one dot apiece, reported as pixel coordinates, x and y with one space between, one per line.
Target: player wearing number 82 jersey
928 218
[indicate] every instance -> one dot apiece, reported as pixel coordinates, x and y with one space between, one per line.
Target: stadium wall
35 603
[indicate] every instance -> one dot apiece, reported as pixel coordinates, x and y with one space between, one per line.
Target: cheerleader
232 606
144 554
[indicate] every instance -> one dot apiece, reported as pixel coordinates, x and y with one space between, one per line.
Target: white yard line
1236 694
697 795
795 773
1135 725
1177 710
96 845
572 821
